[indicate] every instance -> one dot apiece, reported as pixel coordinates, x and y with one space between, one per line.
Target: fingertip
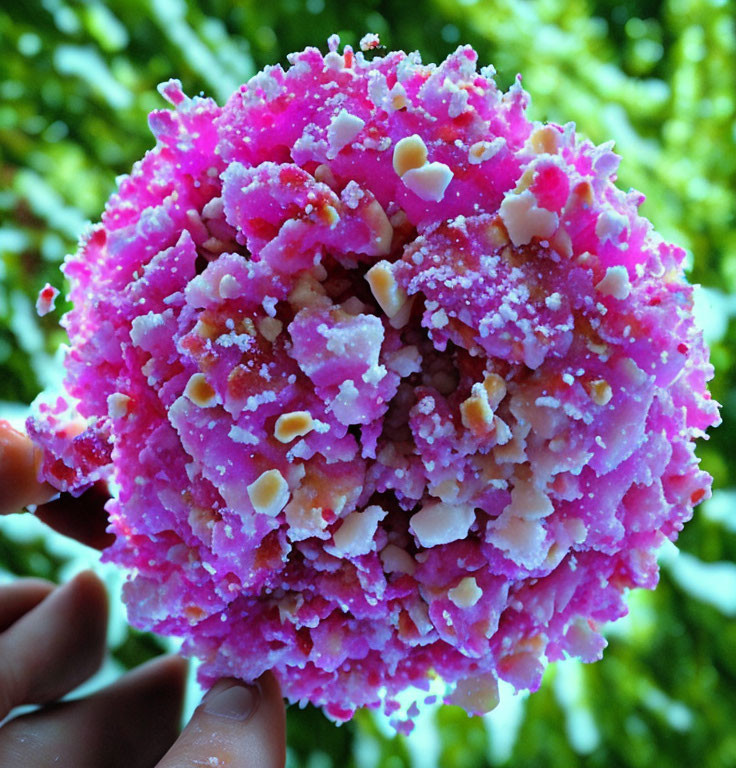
19 463
238 725
89 587
89 604
20 597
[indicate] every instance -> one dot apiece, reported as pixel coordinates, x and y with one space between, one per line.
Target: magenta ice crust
391 383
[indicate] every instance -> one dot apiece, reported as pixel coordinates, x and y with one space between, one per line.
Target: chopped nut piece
397 560
324 174
397 98
205 329
562 243
496 233
329 216
409 153
401 318
582 192
118 405
270 328
524 219
229 287
484 150
355 535
600 391
466 594
477 415
214 245
289 606
495 387
247 326
376 218
200 392
440 523
545 140
291 425
269 493
616 283
389 294
429 182
308 292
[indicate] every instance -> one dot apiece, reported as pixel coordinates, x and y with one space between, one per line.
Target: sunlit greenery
77 80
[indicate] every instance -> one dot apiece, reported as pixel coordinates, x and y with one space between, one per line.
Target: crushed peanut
466 594
200 392
292 425
600 391
270 328
269 493
410 152
388 293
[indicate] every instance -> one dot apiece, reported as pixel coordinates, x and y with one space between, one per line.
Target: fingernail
236 701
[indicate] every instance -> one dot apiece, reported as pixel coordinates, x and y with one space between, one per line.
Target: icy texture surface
393 383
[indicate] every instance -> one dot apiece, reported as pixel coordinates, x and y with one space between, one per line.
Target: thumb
19 461
236 726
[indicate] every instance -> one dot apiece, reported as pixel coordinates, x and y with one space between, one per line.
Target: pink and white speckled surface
392 383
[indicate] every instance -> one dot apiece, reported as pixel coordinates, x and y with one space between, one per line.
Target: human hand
51 640
83 518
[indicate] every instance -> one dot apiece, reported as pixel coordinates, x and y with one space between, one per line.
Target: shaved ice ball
391 383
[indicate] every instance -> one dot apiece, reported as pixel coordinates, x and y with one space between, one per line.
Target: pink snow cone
390 383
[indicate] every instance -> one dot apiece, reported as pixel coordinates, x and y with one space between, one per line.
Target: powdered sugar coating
380 414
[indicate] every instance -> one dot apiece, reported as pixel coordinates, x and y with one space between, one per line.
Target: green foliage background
77 80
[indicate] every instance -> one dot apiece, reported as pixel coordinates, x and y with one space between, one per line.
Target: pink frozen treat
391 383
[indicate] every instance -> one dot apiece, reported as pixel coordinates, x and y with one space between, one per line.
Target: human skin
53 638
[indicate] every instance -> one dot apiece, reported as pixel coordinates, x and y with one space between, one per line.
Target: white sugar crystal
240 435
143 325
344 405
439 319
342 130
374 374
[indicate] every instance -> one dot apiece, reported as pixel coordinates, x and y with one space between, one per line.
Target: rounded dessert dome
391 383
